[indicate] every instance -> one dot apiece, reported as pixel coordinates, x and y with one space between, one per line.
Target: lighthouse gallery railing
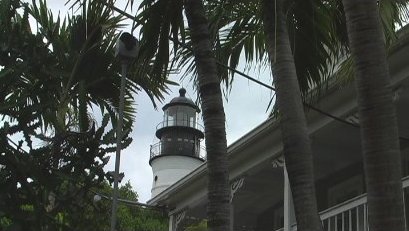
181 147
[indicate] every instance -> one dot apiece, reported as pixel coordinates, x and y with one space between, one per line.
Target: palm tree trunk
379 134
218 210
296 142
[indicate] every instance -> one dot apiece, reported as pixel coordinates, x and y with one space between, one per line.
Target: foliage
53 145
37 185
96 214
200 226
317 34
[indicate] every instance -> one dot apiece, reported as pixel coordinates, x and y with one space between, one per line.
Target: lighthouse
178 151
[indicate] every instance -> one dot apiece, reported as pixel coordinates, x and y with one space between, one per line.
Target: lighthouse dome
182 100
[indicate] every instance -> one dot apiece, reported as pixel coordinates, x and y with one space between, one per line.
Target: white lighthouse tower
178 152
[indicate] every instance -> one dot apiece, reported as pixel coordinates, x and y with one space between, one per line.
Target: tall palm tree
159 20
208 81
296 143
379 133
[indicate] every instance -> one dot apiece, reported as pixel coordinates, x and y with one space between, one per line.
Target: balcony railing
181 123
177 148
351 215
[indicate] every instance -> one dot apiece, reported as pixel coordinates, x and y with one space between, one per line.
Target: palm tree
377 115
208 81
159 20
294 131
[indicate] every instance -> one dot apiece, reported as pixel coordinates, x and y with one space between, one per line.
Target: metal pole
118 144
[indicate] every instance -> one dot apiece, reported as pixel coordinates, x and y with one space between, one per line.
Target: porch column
289 217
171 222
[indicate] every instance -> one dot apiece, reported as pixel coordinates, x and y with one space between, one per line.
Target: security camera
127 46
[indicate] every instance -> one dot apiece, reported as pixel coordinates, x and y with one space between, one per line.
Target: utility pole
127 49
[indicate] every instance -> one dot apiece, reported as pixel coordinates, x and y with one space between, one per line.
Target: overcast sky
245 109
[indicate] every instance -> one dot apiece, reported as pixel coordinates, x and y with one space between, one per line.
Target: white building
261 198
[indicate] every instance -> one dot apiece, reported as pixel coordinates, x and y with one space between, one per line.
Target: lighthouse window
170 115
179 139
156 178
181 116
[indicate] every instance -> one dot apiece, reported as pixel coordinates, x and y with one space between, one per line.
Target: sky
245 107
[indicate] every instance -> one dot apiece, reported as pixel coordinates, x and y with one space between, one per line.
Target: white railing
178 148
350 215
